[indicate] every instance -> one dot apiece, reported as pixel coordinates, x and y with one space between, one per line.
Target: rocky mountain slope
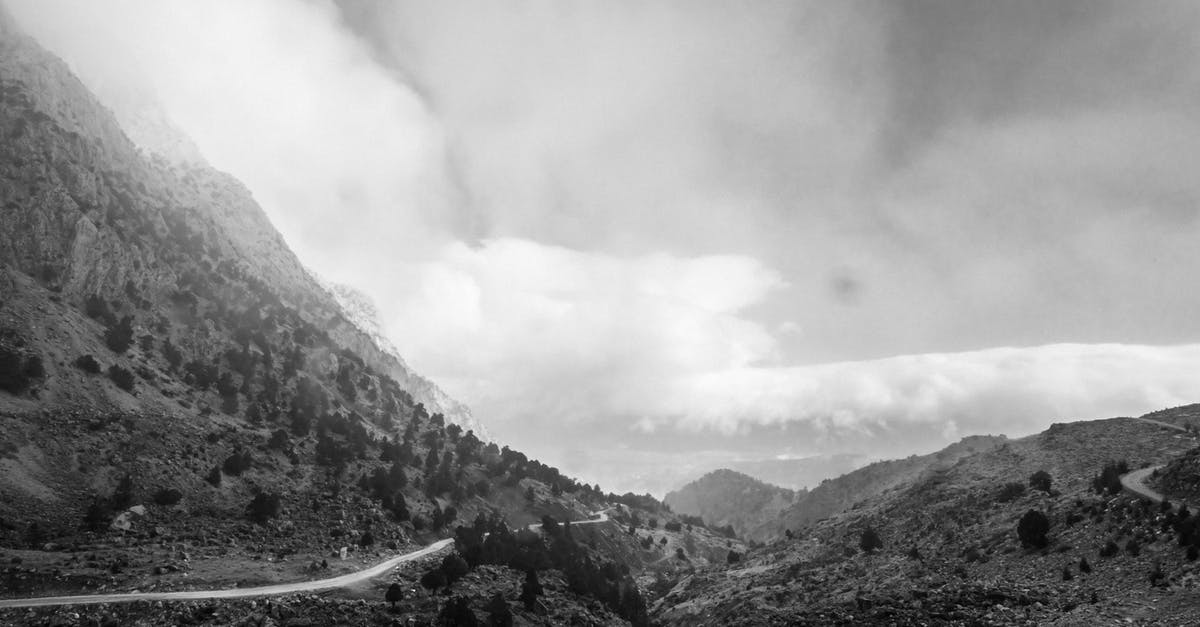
725 497
183 405
949 546
838 494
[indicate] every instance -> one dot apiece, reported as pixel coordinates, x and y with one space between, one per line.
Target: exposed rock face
85 210
725 497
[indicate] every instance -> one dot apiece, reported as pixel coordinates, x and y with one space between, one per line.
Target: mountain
841 493
800 473
183 405
973 541
726 497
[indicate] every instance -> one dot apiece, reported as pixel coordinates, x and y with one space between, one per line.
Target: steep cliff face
87 212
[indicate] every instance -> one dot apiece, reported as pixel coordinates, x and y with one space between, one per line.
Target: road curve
260 591
234 593
1135 484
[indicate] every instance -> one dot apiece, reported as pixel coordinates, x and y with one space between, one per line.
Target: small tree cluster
1109 479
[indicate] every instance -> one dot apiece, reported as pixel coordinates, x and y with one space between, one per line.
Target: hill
182 405
838 494
946 547
725 497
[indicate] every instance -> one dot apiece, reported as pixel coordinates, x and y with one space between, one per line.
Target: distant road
1135 482
260 591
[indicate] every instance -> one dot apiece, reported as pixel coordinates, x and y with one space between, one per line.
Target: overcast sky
635 233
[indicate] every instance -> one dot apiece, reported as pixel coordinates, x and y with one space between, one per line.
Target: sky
641 239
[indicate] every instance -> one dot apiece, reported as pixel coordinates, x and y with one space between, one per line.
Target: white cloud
613 214
1015 390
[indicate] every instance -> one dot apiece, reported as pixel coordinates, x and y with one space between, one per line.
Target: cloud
1013 389
564 334
687 226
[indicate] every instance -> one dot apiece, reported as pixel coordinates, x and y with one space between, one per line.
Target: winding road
1135 482
260 591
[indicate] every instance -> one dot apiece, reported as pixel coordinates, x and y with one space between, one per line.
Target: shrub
119 337
167 496
1084 566
1032 528
122 377
366 540
263 507
1110 549
458 612
1040 480
433 579
1109 479
869 541
18 372
395 594
1010 492
237 463
1133 548
88 364
673 526
214 477
99 514
733 557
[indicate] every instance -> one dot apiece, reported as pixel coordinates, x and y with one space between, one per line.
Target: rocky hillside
1179 479
183 406
837 495
958 545
725 497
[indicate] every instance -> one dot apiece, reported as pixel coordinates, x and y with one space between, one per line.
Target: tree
366 540
122 377
869 541
1109 479
1032 528
454 567
263 507
395 594
433 579
458 612
733 557
1084 566
119 337
530 589
499 614
1040 480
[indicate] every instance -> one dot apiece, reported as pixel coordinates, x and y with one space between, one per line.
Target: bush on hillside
869 541
263 507
88 364
18 372
1109 479
1010 492
1040 480
122 377
1032 529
